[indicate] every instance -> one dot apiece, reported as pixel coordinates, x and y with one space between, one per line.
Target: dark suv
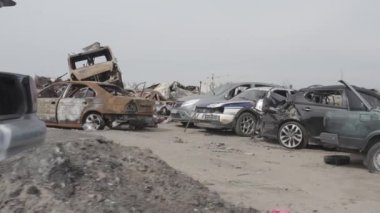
19 126
300 120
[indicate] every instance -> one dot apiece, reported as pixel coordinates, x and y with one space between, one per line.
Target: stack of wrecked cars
94 96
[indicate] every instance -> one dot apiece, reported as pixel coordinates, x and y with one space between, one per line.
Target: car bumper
19 134
214 120
135 120
181 114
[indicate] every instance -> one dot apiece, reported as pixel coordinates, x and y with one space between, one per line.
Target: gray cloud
302 42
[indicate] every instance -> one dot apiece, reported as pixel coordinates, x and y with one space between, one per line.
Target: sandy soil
259 174
73 172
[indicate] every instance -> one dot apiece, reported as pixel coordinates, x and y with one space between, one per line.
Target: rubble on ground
95 175
174 90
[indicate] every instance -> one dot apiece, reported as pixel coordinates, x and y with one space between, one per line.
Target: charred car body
19 126
184 108
95 63
302 118
92 105
236 114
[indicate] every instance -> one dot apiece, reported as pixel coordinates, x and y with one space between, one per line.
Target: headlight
189 103
259 105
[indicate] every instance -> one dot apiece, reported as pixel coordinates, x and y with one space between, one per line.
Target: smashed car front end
221 115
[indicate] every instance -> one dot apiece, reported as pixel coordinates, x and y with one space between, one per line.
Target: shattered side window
80 91
374 101
53 91
114 90
326 97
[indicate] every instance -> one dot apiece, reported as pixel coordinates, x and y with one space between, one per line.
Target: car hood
235 103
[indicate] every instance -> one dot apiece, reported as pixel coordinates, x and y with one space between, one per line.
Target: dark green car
356 129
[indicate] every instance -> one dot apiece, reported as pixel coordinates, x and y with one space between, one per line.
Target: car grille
175 115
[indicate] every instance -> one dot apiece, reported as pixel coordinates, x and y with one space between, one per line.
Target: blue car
236 114
19 126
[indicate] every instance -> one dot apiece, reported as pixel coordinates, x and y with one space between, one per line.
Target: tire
245 124
93 121
337 160
292 135
373 158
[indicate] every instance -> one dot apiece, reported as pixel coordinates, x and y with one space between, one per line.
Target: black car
19 126
300 120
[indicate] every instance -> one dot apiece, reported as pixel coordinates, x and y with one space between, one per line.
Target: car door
353 127
74 103
48 100
313 105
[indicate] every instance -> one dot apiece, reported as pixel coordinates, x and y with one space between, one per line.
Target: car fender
368 140
249 110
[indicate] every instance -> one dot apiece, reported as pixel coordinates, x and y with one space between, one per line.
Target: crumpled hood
235 103
203 99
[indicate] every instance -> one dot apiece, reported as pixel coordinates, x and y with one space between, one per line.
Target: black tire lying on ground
337 160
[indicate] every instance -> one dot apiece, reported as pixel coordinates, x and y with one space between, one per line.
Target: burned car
92 105
300 120
184 108
19 126
95 63
235 114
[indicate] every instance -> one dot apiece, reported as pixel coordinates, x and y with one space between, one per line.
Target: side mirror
227 96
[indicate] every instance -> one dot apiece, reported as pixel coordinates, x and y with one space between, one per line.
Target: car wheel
337 160
245 124
93 121
292 135
373 158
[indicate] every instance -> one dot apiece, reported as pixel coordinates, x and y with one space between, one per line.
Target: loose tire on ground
292 135
337 160
373 158
245 124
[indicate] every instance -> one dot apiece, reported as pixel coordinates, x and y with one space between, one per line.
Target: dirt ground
259 174
73 172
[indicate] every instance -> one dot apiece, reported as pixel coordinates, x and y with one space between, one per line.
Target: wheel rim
376 160
291 136
247 124
94 120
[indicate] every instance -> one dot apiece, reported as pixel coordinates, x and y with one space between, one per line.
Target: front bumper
214 120
181 114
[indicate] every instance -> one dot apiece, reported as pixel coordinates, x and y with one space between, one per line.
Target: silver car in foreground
184 108
19 126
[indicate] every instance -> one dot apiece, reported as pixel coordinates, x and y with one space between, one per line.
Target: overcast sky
284 41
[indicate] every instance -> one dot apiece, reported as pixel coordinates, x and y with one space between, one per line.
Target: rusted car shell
70 112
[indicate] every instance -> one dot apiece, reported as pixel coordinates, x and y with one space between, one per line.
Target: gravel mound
96 175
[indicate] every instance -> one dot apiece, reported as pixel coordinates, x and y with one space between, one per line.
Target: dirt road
259 174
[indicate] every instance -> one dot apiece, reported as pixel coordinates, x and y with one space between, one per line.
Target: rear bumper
19 134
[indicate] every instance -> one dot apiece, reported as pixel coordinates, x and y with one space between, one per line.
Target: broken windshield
251 95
